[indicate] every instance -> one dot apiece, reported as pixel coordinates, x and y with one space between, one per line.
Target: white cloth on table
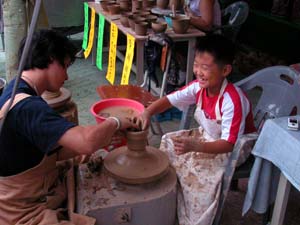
277 149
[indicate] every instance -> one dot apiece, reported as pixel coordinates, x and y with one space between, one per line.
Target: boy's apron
35 195
199 174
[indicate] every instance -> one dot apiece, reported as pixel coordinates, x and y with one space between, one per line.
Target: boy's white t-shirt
234 106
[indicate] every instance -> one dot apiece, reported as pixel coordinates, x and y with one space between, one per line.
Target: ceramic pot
141 28
124 20
136 5
131 22
148 3
178 4
104 4
124 5
162 4
159 27
180 25
114 8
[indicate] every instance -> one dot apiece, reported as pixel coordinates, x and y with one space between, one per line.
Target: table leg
282 197
190 60
188 112
139 62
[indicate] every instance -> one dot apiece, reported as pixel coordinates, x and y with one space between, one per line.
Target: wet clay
136 163
118 111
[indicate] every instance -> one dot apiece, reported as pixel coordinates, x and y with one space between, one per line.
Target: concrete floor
83 80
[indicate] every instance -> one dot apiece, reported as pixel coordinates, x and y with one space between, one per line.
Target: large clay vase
136 163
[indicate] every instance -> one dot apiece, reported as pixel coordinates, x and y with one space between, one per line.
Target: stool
133 92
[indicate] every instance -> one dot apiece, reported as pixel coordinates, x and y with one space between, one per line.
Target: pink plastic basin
109 102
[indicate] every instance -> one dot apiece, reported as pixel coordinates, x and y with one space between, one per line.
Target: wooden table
190 36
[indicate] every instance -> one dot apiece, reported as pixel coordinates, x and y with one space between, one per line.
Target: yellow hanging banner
111 69
128 59
91 35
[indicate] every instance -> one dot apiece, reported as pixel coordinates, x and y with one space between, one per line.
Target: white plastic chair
235 15
280 97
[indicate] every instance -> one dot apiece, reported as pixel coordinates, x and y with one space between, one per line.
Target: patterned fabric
199 176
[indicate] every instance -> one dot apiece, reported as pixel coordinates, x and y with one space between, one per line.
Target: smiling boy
223 113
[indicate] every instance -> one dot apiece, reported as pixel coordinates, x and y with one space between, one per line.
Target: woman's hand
142 121
126 122
183 145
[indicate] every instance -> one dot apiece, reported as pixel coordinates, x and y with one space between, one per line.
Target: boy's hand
143 120
183 145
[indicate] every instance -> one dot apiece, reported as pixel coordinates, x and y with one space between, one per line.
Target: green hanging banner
86 25
100 42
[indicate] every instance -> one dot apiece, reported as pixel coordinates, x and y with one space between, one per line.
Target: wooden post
14 17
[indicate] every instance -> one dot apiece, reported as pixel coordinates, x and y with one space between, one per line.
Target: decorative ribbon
128 59
100 41
111 70
86 25
91 35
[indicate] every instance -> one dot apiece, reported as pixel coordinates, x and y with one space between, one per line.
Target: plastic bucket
110 102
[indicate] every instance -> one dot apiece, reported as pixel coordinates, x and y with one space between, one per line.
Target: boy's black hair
46 46
222 49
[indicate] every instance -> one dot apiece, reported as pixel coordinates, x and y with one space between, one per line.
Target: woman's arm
205 21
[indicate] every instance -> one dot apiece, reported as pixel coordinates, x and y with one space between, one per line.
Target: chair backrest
237 13
234 16
280 92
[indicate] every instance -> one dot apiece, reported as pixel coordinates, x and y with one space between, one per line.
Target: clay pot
151 18
159 27
136 5
141 28
144 13
136 163
181 24
178 4
124 5
104 4
140 19
131 22
148 3
124 20
162 4
114 8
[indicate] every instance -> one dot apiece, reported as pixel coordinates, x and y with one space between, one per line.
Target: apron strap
217 108
18 98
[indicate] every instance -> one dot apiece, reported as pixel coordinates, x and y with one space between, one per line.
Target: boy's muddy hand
142 121
186 144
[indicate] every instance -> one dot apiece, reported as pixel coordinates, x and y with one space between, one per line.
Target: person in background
223 113
35 139
204 14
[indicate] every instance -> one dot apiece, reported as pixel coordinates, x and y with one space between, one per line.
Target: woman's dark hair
222 49
46 46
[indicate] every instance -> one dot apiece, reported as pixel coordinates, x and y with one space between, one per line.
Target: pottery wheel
136 167
57 99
